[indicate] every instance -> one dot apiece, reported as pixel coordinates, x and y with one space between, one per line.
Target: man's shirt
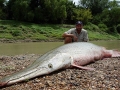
82 37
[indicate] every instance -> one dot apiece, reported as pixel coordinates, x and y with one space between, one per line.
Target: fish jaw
58 61
22 76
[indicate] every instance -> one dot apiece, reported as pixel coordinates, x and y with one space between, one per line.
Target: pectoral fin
85 68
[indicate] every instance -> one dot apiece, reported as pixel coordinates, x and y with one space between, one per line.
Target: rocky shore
105 77
29 40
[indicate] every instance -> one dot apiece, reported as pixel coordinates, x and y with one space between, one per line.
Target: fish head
58 61
49 64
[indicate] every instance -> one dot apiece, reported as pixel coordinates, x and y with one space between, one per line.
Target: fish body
66 56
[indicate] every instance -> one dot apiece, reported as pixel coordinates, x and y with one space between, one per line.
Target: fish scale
76 54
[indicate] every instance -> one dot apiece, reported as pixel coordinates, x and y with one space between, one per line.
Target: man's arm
67 35
70 35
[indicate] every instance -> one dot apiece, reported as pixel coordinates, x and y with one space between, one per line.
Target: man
77 34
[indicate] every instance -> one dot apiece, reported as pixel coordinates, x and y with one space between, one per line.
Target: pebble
105 77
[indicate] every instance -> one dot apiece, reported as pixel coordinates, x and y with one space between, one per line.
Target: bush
38 36
6 35
2 14
112 30
103 27
16 33
118 28
91 27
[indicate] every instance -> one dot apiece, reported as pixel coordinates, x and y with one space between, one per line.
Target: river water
43 47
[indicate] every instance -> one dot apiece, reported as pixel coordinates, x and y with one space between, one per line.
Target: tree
20 10
114 16
61 10
2 3
52 11
2 9
111 18
45 11
113 4
82 14
9 5
69 9
96 6
34 4
63 13
37 8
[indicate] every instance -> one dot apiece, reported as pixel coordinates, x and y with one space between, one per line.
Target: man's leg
68 40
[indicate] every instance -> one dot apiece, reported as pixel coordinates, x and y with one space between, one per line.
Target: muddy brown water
43 47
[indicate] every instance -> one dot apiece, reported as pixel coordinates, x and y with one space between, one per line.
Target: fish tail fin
115 53
111 53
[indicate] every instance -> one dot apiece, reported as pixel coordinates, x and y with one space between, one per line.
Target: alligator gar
66 56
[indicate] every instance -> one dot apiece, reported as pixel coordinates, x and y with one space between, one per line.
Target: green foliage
35 3
16 33
100 36
47 32
118 28
92 27
2 14
2 2
96 6
113 4
44 11
104 17
82 14
96 19
6 35
39 37
114 16
29 16
110 18
63 13
69 9
55 10
103 14
103 27
20 9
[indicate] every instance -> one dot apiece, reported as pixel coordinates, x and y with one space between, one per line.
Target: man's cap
79 22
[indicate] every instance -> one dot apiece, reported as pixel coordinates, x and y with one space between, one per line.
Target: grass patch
6 35
22 30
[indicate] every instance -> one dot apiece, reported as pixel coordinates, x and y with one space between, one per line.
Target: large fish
66 56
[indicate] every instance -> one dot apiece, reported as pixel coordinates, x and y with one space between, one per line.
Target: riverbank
106 76
12 31
27 40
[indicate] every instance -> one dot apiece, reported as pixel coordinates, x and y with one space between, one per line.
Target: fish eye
50 65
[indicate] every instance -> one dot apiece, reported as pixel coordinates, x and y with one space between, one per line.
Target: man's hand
75 38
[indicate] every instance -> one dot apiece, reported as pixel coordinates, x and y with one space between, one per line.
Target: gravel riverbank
105 77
